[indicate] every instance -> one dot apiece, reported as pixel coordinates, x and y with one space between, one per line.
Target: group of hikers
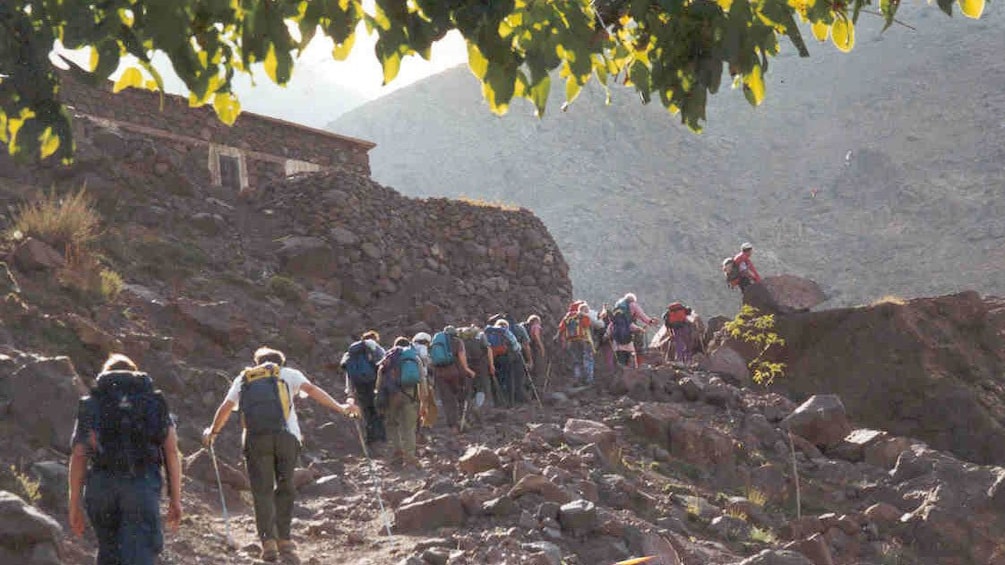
124 433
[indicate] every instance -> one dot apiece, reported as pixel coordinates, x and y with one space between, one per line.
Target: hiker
533 327
360 366
679 332
476 347
401 382
576 337
420 342
507 360
601 339
627 319
122 471
452 374
747 273
264 394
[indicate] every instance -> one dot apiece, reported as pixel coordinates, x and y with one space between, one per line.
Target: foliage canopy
673 50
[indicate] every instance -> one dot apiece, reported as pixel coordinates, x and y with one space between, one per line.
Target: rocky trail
691 470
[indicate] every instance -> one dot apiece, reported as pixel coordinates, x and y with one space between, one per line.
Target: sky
320 88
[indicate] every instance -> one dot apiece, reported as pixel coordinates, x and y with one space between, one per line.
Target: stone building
254 152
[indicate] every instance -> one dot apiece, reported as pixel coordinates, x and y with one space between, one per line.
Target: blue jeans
125 514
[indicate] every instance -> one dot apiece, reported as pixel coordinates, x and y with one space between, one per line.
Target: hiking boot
287 548
270 550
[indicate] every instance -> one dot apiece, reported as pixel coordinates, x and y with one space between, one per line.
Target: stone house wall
262 150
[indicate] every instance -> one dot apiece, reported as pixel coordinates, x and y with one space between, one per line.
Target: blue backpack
440 351
132 422
621 333
497 340
403 366
359 365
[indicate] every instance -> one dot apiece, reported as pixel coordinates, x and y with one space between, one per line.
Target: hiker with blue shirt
264 395
122 471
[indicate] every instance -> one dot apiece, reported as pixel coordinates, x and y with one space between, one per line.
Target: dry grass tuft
62 222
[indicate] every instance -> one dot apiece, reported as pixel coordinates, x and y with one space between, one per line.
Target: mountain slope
874 172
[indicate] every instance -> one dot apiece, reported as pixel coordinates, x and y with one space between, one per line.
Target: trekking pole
376 476
547 376
223 500
533 387
464 414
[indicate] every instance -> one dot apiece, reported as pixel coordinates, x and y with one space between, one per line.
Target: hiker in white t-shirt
264 395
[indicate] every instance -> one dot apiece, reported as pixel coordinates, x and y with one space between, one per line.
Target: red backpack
676 315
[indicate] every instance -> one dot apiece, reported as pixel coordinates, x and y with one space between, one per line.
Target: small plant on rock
61 221
751 326
765 536
18 482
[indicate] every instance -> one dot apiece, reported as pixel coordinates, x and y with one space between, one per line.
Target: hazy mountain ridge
874 172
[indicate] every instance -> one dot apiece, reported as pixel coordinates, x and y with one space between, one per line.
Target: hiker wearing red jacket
748 274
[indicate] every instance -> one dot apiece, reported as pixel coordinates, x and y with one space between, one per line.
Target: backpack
573 327
675 316
441 351
402 364
359 365
731 271
265 400
497 340
473 346
621 333
132 423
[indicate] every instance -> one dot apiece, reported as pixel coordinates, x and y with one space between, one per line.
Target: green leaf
227 107
946 6
972 8
572 89
477 62
48 143
341 50
391 64
131 78
753 86
539 94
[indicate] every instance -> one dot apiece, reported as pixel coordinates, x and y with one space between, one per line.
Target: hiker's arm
753 271
492 361
462 360
78 471
323 398
173 467
220 419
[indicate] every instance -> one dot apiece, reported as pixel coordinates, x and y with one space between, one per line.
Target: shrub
286 288
62 222
758 329
763 536
111 284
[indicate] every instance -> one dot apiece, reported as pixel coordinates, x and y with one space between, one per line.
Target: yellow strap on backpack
266 370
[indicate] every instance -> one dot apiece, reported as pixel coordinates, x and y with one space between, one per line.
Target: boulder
582 432
727 360
44 398
442 511
551 552
36 255
784 294
821 420
578 517
52 477
815 549
221 321
539 485
199 466
23 525
478 459
309 257
702 445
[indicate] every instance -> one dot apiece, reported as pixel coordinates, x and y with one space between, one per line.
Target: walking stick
533 387
373 472
223 500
